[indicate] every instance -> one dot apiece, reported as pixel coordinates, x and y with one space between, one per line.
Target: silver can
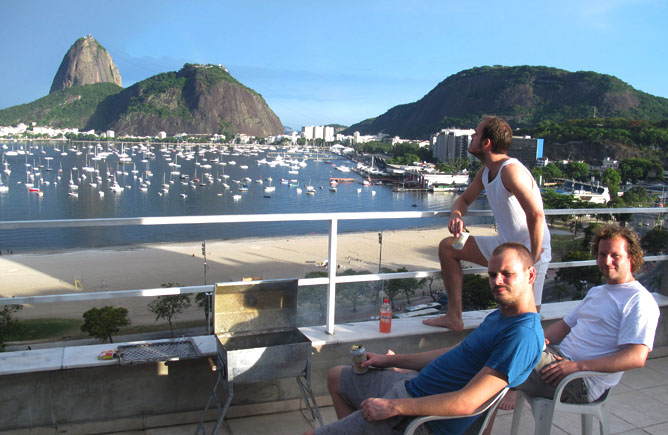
358 354
461 241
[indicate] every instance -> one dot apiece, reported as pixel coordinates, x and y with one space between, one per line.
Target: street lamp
380 259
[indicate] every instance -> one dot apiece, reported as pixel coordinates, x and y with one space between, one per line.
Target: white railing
331 280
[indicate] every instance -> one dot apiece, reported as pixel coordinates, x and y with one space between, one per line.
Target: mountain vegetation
71 107
203 99
590 139
524 95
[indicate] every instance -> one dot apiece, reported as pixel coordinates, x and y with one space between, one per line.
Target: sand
151 266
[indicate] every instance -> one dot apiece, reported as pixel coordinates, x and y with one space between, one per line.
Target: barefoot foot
447 321
508 401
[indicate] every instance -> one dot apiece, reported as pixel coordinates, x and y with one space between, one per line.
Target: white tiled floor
638 405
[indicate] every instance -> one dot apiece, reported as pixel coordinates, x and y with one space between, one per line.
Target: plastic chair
489 406
543 409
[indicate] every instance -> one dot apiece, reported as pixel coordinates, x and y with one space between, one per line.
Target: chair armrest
572 376
492 403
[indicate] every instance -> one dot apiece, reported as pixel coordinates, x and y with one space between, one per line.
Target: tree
579 277
577 170
655 241
167 307
637 197
391 289
353 292
103 322
476 294
315 294
407 286
9 325
588 236
611 179
204 301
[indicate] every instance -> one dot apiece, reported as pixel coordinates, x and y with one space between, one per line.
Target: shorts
575 391
487 244
388 384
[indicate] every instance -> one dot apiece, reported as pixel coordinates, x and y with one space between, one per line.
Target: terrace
57 388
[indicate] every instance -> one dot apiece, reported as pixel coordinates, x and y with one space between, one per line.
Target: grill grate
155 352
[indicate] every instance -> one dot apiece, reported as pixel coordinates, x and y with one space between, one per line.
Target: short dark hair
633 248
521 250
498 132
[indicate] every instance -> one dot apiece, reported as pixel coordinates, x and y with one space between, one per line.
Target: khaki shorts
575 391
487 244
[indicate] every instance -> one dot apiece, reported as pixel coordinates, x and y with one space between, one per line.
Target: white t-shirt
609 317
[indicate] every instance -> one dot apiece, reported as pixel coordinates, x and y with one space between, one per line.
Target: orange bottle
385 316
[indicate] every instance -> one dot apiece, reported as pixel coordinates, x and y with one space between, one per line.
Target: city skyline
317 63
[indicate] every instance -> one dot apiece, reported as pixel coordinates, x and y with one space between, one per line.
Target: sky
335 62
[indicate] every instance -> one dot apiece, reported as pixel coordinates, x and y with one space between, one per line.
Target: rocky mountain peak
85 63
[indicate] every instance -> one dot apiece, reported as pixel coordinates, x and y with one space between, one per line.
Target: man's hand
554 373
377 360
456 224
374 409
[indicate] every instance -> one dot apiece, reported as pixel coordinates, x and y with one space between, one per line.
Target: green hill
68 108
524 95
202 99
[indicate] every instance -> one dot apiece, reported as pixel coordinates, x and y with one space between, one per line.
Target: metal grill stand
258 342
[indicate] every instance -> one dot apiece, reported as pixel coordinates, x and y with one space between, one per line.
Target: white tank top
511 220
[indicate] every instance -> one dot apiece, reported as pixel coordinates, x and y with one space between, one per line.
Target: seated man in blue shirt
502 351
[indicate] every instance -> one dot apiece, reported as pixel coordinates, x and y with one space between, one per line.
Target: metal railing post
331 264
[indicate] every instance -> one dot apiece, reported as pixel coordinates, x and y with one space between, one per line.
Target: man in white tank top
515 199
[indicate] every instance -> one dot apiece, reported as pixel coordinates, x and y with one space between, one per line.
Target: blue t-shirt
510 345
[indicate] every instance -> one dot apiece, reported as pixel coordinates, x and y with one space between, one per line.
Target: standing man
515 200
502 351
610 331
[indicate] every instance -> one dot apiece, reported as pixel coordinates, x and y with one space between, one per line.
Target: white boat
236 197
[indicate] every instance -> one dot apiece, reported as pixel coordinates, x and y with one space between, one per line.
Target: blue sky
319 62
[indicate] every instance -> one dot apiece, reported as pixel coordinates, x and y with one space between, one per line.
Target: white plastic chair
489 406
543 409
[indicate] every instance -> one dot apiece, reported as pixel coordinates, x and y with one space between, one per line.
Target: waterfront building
451 144
323 132
527 150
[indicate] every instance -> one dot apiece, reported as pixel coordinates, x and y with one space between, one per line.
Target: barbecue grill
255 323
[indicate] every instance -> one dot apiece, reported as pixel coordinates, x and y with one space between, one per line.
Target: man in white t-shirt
611 330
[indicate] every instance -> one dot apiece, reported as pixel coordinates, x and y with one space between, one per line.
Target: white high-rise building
451 144
323 132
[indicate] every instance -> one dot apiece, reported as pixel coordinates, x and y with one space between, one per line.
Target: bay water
148 185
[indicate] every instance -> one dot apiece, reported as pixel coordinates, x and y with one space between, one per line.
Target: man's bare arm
411 361
557 332
519 182
484 385
631 357
462 203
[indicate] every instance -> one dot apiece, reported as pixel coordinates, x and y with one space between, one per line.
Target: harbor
80 180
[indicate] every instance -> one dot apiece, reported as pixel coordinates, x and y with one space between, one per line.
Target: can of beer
461 241
358 354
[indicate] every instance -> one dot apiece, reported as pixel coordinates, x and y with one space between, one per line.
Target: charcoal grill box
255 324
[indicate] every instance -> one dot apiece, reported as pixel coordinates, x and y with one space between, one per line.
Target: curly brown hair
633 248
498 132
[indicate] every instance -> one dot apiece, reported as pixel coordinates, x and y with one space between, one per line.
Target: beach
182 264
